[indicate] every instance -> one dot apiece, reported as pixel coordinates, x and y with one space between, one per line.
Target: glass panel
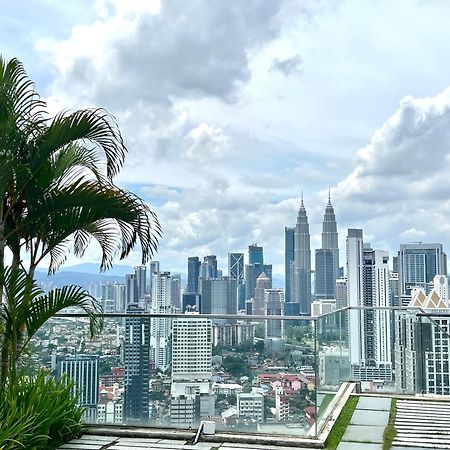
246 375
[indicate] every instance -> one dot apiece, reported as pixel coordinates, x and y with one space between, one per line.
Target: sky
230 109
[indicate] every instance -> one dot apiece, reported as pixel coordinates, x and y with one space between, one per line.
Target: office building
323 306
194 265
236 265
136 362
417 266
255 254
160 336
218 295
83 370
301 274
254 269
191 302
140 273
120 298
131 289
209 267
327 258
288 259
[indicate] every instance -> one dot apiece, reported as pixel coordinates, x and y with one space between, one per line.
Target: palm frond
44 307
91 126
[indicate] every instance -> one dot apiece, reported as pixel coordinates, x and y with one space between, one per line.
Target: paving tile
359 446
82 446
369 417
358 433
374 403
396 447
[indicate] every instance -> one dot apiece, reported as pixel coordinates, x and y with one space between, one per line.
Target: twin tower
298 262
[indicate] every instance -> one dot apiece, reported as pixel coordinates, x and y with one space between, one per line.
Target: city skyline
223 159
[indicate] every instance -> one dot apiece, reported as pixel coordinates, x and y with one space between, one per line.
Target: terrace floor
90 442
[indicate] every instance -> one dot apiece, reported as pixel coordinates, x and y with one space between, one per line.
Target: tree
57 193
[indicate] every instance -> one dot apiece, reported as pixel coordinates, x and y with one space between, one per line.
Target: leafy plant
38 413
57 194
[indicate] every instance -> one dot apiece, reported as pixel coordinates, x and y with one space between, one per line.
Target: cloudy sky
230 108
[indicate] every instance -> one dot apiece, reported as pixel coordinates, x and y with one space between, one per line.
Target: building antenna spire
302 199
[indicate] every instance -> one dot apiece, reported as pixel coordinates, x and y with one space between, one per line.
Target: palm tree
58 194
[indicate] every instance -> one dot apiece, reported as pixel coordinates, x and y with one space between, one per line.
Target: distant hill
86 273
83 279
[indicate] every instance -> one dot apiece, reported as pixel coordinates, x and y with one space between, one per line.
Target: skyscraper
254 269
288 259
83 371
262 283
417 266
369 329
255 254
236 270
176 291
136 362
140 273
160 331
236 265
209 267
218 295
131 289
193 274
154 267
301 276
274 329
327 258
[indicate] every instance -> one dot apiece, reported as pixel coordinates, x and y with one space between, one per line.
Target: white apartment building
250 406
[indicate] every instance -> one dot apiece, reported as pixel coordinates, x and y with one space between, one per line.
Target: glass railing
255 374
252 374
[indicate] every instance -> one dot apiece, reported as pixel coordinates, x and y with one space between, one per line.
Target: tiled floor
90 442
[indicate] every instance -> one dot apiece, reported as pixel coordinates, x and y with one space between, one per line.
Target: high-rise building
327 258
191 302
191 348
262 283
209 267
236 270
252 272
194 265
288 259
131 289
236 265
301 275
160 331
136 362
191 395
417 266
274 329
341 293
218 295
83 370
154 267
255 254
140 273
421 344
176 291
369 329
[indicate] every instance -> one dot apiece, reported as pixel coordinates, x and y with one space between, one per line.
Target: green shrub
38 413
